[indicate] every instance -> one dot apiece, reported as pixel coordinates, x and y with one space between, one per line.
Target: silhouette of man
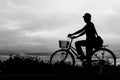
90 32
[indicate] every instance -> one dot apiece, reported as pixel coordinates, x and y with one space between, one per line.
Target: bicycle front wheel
62 56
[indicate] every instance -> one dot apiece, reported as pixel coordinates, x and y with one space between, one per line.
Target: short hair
87 15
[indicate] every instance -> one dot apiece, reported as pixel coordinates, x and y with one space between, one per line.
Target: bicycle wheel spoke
104 56
96 56
62 56
59 57
68 59
102 59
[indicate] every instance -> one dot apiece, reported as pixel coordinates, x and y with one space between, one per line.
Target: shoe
81 57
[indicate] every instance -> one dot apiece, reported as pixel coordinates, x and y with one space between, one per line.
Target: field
38 66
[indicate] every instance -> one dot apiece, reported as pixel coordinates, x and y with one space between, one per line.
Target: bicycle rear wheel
62 56
103 58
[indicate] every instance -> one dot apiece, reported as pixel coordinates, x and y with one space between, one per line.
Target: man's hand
69 35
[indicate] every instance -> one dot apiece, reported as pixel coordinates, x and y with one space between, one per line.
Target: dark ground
19 67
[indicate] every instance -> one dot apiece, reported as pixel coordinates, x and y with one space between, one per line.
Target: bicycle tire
62 56
105 56
103 62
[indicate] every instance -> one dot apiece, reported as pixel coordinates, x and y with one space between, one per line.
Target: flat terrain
17 66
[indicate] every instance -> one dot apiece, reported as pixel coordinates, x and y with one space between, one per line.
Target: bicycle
67 53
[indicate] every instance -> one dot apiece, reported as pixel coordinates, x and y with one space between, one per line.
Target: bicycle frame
72 49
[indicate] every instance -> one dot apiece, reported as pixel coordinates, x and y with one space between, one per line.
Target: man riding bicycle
90 31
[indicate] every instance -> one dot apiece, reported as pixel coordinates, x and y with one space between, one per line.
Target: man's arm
79 31
81 34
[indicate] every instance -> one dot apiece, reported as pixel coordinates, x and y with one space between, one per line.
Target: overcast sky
37 25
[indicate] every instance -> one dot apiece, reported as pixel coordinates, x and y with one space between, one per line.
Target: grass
17 64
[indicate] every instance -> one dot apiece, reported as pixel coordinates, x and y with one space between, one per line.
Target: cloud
33 22
110 36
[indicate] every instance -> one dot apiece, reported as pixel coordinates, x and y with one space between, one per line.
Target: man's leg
78 45
89 54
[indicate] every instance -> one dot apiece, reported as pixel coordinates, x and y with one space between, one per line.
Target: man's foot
81 57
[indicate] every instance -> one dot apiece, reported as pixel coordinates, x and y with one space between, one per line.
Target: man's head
87 17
